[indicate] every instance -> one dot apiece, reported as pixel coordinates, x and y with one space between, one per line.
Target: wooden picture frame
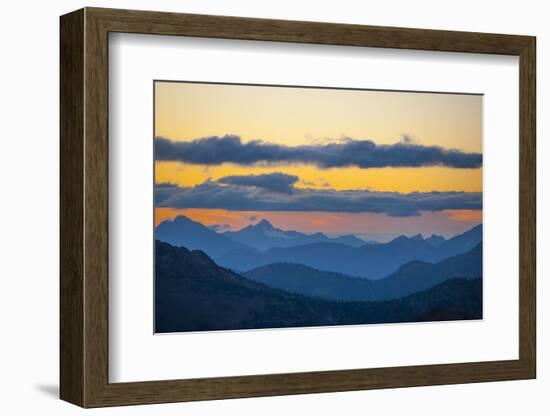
84 207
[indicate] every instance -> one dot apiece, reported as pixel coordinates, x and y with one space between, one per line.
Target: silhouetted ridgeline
194 294
409 278
262 244
372 261
263 236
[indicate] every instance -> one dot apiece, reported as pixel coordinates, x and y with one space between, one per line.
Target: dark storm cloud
275 182
364 154
164 191
212 194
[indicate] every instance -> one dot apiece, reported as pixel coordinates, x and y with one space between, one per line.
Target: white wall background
29 211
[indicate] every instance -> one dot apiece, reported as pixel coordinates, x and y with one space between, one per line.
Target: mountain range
412 277
263 236
184 232
372 261
193 293
262 244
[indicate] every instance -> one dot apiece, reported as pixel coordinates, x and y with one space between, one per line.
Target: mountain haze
193 293
264 235
412 277
435 240
183 232
369 261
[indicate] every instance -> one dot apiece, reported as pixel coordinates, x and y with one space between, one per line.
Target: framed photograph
255 207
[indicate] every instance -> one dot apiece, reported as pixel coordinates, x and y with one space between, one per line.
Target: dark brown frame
84 210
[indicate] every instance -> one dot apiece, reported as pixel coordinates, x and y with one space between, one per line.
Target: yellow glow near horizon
295 116
403 180
292 116
305 116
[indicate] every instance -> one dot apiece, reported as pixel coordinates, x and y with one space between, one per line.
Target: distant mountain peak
264 224
182 218
417 237
401 238
183 231
435 240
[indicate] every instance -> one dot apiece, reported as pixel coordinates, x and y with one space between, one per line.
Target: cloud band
364 154
252 194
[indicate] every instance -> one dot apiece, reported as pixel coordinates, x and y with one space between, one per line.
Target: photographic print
288 206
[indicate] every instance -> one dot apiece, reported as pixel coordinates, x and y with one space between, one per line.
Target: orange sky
298 116
295 116
369 225
405 180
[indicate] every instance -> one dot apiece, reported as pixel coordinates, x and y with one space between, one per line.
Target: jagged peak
182 218
265 223
399 239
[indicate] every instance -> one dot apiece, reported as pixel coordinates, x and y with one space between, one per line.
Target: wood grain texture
84 207
71 208
96 219
528 208
162 23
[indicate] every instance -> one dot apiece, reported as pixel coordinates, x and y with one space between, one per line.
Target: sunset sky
373 163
